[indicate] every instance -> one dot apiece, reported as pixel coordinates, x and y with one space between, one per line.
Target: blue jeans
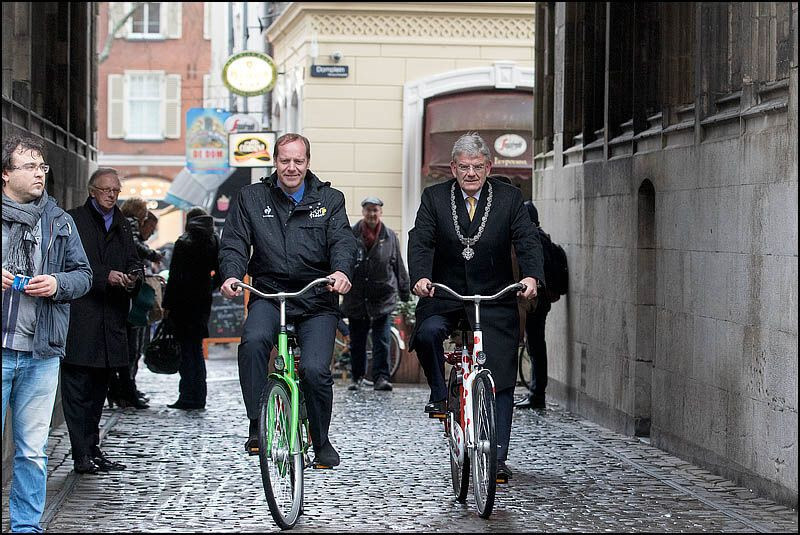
381 332
29 385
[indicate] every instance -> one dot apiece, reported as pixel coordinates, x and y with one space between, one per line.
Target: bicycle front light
480 358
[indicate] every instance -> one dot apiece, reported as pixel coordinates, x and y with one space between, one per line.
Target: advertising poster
207 141
251 149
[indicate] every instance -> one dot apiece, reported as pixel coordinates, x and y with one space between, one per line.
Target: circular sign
510 145
249 73
241 122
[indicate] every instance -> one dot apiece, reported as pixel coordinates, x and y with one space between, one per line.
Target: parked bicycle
470 418
283 433
341 354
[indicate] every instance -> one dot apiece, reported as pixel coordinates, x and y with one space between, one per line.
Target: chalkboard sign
227 316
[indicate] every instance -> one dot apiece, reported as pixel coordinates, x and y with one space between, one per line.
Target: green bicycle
283 435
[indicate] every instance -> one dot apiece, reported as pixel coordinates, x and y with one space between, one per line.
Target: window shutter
116 106
172 107
206 20
174 20
117 10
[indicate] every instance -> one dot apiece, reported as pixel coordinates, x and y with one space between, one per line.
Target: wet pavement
187 471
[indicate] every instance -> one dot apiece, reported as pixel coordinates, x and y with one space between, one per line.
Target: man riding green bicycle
298 230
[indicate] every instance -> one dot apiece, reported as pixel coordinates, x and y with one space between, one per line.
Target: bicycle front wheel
281 472
484 454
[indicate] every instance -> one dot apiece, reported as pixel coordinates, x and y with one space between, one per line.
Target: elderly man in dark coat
462 237
97 340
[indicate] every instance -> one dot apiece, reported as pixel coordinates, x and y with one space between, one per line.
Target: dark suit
97 339
434 252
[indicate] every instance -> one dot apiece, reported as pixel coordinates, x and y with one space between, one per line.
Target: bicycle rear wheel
484 455
281 472
395 354
459 473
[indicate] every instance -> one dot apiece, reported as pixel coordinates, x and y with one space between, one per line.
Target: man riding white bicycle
463 237
298 230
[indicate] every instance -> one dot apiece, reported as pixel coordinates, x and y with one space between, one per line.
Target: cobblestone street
187 471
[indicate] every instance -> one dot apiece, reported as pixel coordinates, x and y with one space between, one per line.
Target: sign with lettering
251 149
249 73
206 141
330 71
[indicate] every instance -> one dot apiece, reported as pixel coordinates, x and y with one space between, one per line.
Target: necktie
471 201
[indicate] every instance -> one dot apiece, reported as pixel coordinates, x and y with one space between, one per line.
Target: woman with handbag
193 276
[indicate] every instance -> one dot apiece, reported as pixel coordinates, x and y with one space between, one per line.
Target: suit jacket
434 252
97 335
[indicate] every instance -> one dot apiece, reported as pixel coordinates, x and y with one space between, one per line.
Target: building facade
666 164
382 89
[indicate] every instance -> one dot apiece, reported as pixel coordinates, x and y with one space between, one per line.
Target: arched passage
645 308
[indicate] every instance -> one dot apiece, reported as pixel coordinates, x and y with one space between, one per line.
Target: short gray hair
102 171
471 144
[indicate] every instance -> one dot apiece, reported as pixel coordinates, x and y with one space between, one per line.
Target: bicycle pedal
438 415
252 452
322 467
501 480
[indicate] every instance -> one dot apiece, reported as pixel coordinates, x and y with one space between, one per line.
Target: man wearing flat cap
378 277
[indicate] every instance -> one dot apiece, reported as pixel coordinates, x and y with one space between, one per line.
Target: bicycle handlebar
512 287
283 295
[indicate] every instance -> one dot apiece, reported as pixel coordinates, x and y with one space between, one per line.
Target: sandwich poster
251 149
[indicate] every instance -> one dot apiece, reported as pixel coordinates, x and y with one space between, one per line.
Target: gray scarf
23 217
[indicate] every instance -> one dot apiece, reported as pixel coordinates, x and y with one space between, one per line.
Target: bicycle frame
284 362
470 368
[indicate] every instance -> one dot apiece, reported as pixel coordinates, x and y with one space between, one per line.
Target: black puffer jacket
190 283
379 276
292 245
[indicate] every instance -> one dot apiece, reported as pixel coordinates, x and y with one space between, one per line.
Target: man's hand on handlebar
424 288
341 284
228 291
531 286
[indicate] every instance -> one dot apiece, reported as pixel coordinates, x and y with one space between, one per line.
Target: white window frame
162 97
162 23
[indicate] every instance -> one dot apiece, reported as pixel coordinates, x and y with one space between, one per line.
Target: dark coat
434 252
378 277
291 245
190 283
97 335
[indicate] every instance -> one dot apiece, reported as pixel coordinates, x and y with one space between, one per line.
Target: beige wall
355 124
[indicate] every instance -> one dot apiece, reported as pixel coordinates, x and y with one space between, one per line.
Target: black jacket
97 335
379 275
434 252
190 283
291 245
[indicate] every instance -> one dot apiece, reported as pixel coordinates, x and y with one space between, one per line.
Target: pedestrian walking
463 237
378 277
187 302
44 268
97 340
298 230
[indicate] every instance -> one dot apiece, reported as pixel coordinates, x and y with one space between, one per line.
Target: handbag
146 304
163 353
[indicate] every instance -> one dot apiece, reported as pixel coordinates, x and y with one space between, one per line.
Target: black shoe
251 446
436 407
530 402
503 472
382 384
327 458
105 464
141 395
355 385
85 465
185 405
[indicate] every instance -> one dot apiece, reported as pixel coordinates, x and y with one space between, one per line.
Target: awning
504 119
195 189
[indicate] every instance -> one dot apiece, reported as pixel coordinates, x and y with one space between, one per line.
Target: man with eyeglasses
97 339
297 229
462 237
44 267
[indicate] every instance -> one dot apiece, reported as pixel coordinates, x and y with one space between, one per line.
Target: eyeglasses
106 191
476 168
32 167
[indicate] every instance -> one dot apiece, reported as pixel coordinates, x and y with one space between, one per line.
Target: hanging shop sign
206 140
241 122
249 73
251 149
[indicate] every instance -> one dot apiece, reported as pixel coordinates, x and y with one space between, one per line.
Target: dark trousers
537 347
316 335
83 392
192 386
381 331
122 383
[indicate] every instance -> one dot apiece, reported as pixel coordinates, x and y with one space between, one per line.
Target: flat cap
372 200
